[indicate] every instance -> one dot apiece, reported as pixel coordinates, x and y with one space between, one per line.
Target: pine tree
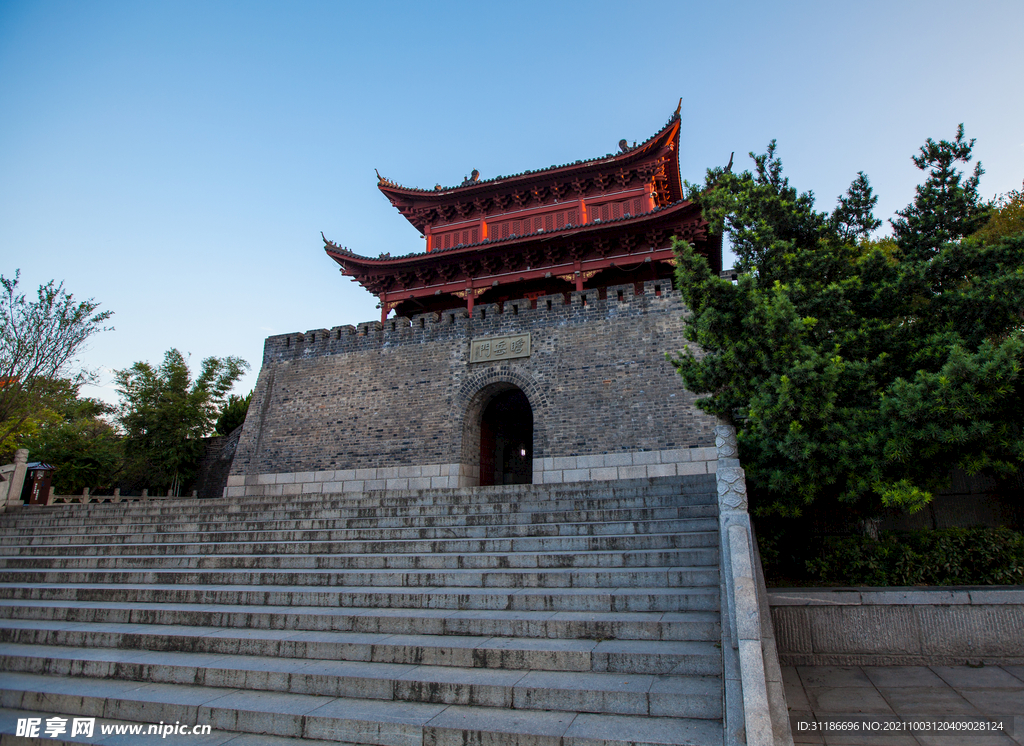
946 207
854 217
855 371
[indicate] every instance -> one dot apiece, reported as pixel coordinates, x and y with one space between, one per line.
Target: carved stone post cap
21 456
725 441
732 488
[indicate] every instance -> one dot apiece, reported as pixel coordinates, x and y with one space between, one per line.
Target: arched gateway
498 436
506 439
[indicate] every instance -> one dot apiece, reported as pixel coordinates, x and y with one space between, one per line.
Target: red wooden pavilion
589 224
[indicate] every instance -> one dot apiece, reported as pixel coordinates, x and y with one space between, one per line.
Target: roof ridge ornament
679 108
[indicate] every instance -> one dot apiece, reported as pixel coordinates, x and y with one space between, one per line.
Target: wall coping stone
987 595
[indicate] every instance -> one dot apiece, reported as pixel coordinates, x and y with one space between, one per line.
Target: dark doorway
506 440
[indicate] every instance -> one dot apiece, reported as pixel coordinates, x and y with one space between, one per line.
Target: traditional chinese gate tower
528 342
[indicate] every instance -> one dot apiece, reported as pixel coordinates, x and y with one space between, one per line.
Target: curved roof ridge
383 181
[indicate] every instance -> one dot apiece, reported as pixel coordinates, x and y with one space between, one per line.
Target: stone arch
472 399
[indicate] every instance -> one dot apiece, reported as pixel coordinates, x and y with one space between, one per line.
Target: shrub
955 556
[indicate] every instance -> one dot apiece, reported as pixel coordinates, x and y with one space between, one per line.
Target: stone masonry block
324 476
604 473
419 483
632 472
564 462
430 470
266 479
366 474
375 484
641 458
441 482
304 476
704 454
344 475
552 477
694 467
589 462
292 489
235 480
576 475
661 470
865 630
618 459
388 472
286 478
353 485
396 483
236 491
675 455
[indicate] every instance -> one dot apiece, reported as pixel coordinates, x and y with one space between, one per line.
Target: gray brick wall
404 394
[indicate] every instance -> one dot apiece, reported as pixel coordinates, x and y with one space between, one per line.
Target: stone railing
755 700
117 497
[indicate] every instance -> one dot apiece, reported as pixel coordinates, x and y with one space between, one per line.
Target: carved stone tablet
499 348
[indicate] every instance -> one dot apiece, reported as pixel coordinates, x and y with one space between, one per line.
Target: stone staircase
557 615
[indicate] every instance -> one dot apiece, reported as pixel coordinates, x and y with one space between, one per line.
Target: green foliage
857 370
39 340
854 218
946 208
957 556
233 413
84 448
1006 218
165 415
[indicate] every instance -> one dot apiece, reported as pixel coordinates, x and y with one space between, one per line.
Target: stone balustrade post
17 480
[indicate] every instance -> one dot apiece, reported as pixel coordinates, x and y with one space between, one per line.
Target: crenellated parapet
521 314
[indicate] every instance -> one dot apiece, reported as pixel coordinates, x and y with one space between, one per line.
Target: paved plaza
908 692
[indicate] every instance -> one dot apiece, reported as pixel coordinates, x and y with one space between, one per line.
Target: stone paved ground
909 692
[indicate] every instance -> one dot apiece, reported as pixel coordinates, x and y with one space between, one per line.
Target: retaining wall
951 626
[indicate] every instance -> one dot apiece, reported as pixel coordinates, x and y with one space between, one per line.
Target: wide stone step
556 544
680 657
82 536
583 577
619 693
365 721
678 489
219 509
320 521
525 599
685 625
438 561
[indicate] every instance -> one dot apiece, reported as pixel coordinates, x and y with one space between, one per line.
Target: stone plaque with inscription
499 348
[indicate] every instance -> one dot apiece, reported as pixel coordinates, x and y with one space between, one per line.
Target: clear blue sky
177 161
